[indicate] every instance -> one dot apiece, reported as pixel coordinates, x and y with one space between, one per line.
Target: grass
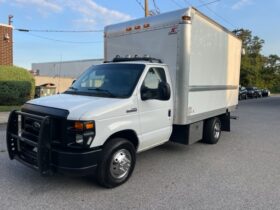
8 108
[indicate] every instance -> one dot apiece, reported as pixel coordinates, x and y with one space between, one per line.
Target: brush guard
35 154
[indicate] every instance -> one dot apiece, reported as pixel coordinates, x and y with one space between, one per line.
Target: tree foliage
257 69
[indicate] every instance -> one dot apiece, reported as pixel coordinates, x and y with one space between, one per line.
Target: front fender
108 127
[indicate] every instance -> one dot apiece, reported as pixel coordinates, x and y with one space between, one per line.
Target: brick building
6 44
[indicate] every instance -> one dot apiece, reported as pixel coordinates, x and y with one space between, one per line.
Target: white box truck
171 77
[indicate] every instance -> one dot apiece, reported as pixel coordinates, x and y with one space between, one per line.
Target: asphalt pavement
241 172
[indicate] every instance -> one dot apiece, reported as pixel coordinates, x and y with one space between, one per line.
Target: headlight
82 133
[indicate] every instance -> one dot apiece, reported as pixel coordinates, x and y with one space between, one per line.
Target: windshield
108 80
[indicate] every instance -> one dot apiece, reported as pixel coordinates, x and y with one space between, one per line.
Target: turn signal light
83 125
79 125
89 125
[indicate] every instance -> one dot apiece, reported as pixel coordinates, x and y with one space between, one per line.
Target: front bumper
75 163
42 156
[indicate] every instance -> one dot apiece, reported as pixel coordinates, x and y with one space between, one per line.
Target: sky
259 16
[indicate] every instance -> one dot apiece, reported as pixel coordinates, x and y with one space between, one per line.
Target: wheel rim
120 164
217 130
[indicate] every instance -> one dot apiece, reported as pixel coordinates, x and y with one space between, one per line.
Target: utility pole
146 8
10 17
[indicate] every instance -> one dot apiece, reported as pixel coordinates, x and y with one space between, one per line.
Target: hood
85 107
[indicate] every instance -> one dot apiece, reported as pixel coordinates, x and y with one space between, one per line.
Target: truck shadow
34 184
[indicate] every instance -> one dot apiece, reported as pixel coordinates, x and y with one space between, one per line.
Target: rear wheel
212 131
117 163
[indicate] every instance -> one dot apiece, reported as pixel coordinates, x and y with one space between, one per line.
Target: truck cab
111 112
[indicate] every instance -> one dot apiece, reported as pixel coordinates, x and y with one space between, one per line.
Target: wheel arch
128 134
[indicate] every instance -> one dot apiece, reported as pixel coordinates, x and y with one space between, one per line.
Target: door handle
169 112
131 110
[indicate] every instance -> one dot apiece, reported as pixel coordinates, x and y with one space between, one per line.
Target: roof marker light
186 18
128 29
146 25
137 27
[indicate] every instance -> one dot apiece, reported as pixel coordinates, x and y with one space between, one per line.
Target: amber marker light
146 25
79 125
185 17
128 29
89 125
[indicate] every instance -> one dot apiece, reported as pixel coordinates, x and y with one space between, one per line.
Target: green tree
271 73
252 61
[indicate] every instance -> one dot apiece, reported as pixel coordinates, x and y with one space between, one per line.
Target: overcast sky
262 17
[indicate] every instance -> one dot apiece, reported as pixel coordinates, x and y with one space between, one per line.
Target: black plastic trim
76 163
151 60
43 110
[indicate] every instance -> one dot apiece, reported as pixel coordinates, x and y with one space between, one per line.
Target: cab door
155 109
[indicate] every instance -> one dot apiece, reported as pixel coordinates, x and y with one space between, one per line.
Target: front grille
30 128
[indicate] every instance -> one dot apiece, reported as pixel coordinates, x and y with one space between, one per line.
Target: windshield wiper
73 88
103 90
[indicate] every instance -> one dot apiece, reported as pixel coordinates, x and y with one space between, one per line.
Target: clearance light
146 25
186 18
137 27
128 29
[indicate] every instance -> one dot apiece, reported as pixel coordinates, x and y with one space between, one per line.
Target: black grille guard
43 146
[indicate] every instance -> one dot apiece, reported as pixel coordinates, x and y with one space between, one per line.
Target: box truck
171 77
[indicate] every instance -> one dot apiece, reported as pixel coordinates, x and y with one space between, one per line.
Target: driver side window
150 86
154 77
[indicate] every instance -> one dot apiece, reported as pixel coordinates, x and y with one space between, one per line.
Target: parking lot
241 172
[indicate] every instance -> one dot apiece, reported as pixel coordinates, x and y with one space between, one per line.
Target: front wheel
117 163
212 131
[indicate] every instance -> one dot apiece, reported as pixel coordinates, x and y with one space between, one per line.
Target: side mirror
164 91
73 81
145 94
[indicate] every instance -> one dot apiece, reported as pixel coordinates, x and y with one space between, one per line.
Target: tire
212 131
110 172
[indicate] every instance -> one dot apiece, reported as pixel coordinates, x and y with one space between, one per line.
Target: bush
16 85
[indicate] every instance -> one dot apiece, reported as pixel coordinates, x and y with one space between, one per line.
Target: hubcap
120 164
217 130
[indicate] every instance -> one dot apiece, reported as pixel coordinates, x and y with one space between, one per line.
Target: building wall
61 83
71 69
6 44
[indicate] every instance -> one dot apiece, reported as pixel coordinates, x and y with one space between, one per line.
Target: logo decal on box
173 30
